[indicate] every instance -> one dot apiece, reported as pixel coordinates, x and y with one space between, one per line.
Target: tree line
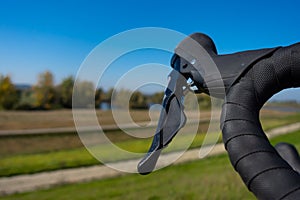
45 95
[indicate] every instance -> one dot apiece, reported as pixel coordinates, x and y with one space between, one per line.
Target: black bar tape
261 167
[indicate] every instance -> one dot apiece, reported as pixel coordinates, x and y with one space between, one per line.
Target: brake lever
171 120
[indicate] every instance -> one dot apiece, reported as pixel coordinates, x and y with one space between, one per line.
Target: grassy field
211 178
36 153
70 158
16 120
20 120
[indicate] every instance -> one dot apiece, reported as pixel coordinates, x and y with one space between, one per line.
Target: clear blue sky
57 35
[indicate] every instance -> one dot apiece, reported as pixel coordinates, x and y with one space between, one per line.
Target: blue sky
57 35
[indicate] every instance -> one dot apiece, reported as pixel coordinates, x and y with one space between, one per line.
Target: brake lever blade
170 123
171 120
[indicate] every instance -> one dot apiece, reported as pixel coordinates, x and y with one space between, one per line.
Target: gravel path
24 183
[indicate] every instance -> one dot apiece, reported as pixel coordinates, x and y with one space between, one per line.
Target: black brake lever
171 120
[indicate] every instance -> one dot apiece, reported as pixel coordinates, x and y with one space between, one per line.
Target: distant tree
98 97
108 95
157 98
125 99
27 99
8 93
65 90
119 98
138 101
84 94
44 90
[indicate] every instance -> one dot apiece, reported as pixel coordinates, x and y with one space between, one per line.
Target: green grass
210 178
45 159
293 138
277 120
33 163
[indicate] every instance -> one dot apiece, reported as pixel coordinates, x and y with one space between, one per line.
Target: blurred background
44 43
